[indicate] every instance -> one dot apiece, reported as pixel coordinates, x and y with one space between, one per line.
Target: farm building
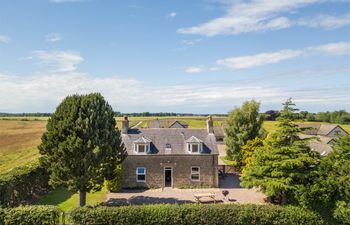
170 157
157 123
326 134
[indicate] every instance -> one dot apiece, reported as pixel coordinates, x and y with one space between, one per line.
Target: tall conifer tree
82 145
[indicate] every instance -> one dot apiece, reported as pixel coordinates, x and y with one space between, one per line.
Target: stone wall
181 170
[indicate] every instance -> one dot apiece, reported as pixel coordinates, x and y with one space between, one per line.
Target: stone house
170 157
326 134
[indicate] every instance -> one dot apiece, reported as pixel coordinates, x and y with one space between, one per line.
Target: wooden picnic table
197 197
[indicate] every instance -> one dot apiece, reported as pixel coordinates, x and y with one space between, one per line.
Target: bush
2 216
30 215
224 214
22 184
342 213
115 185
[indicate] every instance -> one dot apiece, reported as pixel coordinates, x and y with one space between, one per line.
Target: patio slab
180 196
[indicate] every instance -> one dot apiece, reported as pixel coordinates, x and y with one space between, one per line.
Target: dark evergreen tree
82 145
284 164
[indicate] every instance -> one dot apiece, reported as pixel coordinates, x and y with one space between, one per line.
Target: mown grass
67 200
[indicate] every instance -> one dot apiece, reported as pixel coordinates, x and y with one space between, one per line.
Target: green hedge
192 214
30 215
342 213
22 184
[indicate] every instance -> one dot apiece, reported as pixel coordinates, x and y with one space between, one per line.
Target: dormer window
194 145
142 145
142 148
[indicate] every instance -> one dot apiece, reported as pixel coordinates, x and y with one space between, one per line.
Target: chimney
210 126
125 125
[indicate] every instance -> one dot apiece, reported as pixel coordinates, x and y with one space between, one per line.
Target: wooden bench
198 197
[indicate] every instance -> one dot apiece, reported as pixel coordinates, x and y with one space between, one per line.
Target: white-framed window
195 173
141 174
142 148
195 147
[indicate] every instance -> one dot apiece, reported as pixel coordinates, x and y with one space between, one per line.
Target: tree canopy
82 145
284 163
243 124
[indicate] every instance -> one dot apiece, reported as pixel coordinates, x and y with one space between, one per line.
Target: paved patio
170 195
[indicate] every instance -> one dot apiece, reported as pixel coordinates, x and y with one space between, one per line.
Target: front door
168 176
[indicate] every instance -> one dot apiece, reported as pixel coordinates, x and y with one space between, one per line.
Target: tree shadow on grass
55 197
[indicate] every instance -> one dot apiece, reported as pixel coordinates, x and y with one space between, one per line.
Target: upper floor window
194 145
142 148
142 145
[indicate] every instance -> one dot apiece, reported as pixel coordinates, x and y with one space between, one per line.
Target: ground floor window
195 173
141 174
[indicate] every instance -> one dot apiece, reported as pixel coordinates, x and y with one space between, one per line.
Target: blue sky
181 56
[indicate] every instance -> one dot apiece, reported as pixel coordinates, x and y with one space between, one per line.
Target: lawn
67 200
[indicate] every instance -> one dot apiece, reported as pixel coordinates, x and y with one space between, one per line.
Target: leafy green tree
82 146
249 149
331 182
244 124
284 164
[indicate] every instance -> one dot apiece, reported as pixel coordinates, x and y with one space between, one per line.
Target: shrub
342 213
30 215
225 214
115 185
2 216
22 184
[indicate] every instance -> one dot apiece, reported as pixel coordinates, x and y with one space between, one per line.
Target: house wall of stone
181 170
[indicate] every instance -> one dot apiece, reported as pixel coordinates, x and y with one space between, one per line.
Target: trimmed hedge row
30 215
22 184
192 214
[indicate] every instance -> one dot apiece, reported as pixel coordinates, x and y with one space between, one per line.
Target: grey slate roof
317 129
165 123
322 145
176 137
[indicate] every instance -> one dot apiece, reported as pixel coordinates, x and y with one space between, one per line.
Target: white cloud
326 21
251 61
171 15
4 39
191 42
59 61
245 62
194 69
262 15
43 92
53 37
